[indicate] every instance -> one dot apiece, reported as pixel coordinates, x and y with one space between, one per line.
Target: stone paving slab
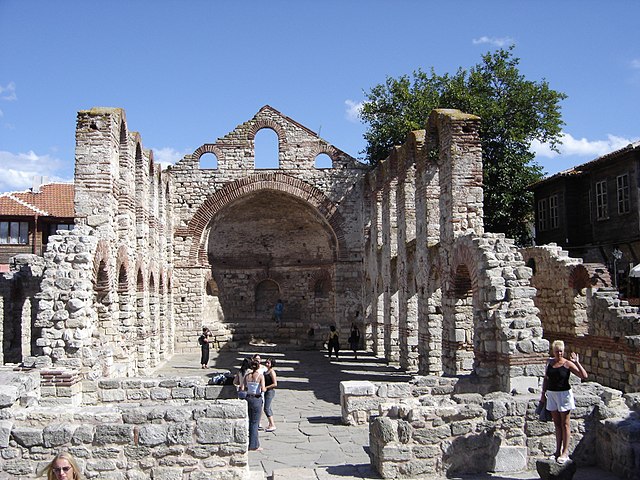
310 441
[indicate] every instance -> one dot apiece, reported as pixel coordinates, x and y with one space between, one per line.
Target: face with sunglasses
62 468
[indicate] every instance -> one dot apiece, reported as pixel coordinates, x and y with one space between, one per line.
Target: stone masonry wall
308 219
431 430
445 297
143 428
577 305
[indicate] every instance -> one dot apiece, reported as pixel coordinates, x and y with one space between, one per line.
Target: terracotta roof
53 200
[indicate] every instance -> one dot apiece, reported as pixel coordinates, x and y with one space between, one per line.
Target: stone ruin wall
441 296
103 304
203 199
143 428
428 427
578 305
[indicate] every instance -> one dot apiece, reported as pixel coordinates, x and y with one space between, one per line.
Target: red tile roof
53 200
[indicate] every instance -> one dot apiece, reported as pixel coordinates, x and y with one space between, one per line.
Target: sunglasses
61 469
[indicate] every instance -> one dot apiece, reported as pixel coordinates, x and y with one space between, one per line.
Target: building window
553 211
543 222
53 228
624 205
14 233
601 200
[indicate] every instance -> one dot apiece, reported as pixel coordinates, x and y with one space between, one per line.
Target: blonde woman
556 392
63 467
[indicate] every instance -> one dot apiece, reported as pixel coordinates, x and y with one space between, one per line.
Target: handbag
544 415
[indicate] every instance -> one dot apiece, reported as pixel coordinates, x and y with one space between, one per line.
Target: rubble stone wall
578 305
426 428
204 440
445 297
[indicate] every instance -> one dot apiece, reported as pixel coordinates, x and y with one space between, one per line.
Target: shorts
560 401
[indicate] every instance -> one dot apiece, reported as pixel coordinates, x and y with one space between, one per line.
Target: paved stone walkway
310 442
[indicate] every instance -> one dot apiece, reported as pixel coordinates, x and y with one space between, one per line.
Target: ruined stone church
398 249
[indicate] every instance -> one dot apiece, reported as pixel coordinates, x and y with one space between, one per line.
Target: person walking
204 340
354 339
333 343
556 393
270 384
62 467
253 384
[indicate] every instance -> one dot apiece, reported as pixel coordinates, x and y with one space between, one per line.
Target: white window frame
543 219
602 207
624 202
553 212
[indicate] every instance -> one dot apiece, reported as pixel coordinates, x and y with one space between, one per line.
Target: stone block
116 395
523 385
5 432
214 430
552 470
57 434
167 473
9 394
180 433
357 388
184 393
152 435
109 433
510 459
27 436
160 394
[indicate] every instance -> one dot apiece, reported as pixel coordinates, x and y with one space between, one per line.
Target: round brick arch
274 181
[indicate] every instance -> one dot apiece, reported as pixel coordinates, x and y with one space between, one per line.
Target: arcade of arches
399 249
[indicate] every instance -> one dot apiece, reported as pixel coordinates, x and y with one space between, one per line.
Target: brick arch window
123 280
323 161
266 149
208 161
102 282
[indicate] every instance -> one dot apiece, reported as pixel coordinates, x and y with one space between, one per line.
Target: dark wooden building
28 218
593 211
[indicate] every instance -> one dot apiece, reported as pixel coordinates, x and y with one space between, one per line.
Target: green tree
514 111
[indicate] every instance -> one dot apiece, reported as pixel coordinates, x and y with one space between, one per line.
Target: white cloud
353 110
18 169
635 63
581 146
9 92
495 41
168 156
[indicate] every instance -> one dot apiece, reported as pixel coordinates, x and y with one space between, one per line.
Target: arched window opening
323 161
123 134
102 283
208 161
321 288
123 280
266 149
267 294
140 282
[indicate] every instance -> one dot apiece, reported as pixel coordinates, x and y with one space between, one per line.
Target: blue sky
188 71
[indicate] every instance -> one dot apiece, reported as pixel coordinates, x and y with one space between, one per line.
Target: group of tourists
257 383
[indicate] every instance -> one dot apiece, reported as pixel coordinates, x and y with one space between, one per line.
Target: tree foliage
514 111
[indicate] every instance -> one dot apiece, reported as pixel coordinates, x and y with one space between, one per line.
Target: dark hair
332 328
272 361
246 363
255 365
